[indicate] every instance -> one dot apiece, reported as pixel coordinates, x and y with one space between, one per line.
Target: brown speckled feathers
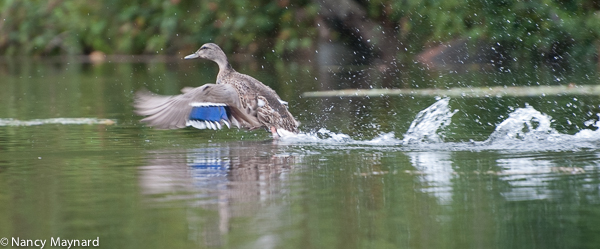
250 103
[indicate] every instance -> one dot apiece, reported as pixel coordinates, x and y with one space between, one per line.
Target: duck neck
224 69
223 65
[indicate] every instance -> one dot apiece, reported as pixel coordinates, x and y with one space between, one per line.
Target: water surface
389 172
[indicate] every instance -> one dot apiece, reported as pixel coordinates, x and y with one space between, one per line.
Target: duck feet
274 132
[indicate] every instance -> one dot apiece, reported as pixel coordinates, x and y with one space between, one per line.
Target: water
525 129
390 172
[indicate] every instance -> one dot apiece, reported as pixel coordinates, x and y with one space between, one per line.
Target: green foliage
525 29
151 27
522 29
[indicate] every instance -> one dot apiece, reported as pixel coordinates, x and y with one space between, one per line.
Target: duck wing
205 107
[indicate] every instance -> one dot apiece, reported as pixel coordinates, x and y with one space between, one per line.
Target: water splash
524 124
424 129
525 129
428 122
321 136
587 133
64 121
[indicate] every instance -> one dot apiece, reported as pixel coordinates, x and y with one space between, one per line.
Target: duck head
210 51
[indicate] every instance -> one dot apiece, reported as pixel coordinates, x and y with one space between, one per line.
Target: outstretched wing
206 107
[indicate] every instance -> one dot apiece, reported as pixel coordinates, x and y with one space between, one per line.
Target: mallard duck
236 99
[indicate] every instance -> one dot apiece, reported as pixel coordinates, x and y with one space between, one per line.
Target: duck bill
191 56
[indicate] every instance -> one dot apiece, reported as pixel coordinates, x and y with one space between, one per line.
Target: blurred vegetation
531 30
43 27
538 30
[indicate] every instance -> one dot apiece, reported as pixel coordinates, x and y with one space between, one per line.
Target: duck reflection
237 179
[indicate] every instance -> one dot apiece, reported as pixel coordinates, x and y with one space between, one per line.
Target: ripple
63 121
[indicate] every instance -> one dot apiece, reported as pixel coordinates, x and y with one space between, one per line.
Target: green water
132 186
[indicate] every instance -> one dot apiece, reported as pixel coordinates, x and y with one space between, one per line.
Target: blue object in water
209 113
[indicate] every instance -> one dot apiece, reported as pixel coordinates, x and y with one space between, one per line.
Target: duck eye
203 47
